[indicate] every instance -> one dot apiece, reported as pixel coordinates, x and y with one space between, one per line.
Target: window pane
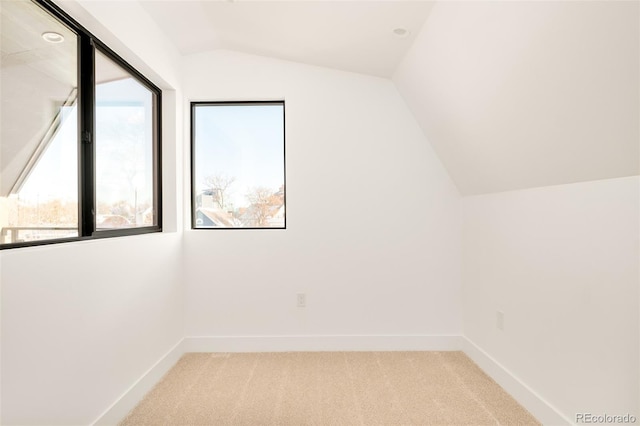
38 126
124 148
238 175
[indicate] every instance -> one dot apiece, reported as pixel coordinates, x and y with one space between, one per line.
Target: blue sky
241 141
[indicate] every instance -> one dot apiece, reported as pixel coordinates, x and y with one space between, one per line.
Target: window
79 133
238 165
123 148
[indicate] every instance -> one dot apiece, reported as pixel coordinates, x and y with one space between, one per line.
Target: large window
79 133
238 165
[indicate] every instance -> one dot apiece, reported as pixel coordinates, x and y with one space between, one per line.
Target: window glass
123 149
38 126
57 82
239 165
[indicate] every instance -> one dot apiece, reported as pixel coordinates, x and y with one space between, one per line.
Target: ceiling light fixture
52 37
401 32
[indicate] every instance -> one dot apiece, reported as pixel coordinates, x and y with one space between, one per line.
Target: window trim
194 105
88 44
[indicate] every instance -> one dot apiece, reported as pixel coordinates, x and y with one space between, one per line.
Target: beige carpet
327 388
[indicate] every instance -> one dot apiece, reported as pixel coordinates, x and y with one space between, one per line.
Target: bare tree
262 202
219 185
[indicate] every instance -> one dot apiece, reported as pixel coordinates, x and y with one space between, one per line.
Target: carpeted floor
328 388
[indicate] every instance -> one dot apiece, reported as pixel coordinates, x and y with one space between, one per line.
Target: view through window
53 185
124 148
238 175
38 133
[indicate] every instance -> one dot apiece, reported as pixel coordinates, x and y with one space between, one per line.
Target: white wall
83 321
373 219
561 262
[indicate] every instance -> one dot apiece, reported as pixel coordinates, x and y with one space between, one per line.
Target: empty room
319 212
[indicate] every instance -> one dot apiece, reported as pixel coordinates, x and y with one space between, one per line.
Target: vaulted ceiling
511 95
355 36
525 94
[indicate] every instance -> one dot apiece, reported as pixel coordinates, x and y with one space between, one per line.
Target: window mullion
86 108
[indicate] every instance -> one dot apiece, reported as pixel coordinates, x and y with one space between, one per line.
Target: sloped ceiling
516 95
348 35
511 94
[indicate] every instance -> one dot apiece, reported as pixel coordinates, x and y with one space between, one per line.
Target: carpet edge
542 410
136 392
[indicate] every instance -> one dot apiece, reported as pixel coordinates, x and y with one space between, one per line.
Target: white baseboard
546 413
321 343
129 399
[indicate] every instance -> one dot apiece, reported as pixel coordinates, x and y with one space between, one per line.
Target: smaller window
238 165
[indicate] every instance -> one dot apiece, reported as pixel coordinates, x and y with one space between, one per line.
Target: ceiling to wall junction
511 95
354 36
524 94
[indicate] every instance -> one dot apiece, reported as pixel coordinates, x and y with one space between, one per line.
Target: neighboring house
276 219
208 198
147 216
269 214
109 221
213 217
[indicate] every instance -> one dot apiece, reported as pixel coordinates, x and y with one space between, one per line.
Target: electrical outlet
500 320
301 300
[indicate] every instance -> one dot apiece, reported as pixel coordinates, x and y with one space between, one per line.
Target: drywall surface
373 220
524 94
561 264
83 321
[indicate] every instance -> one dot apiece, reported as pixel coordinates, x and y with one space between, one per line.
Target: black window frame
193 106
88 44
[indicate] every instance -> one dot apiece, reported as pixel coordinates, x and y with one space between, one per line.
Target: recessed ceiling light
401 32
52 37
